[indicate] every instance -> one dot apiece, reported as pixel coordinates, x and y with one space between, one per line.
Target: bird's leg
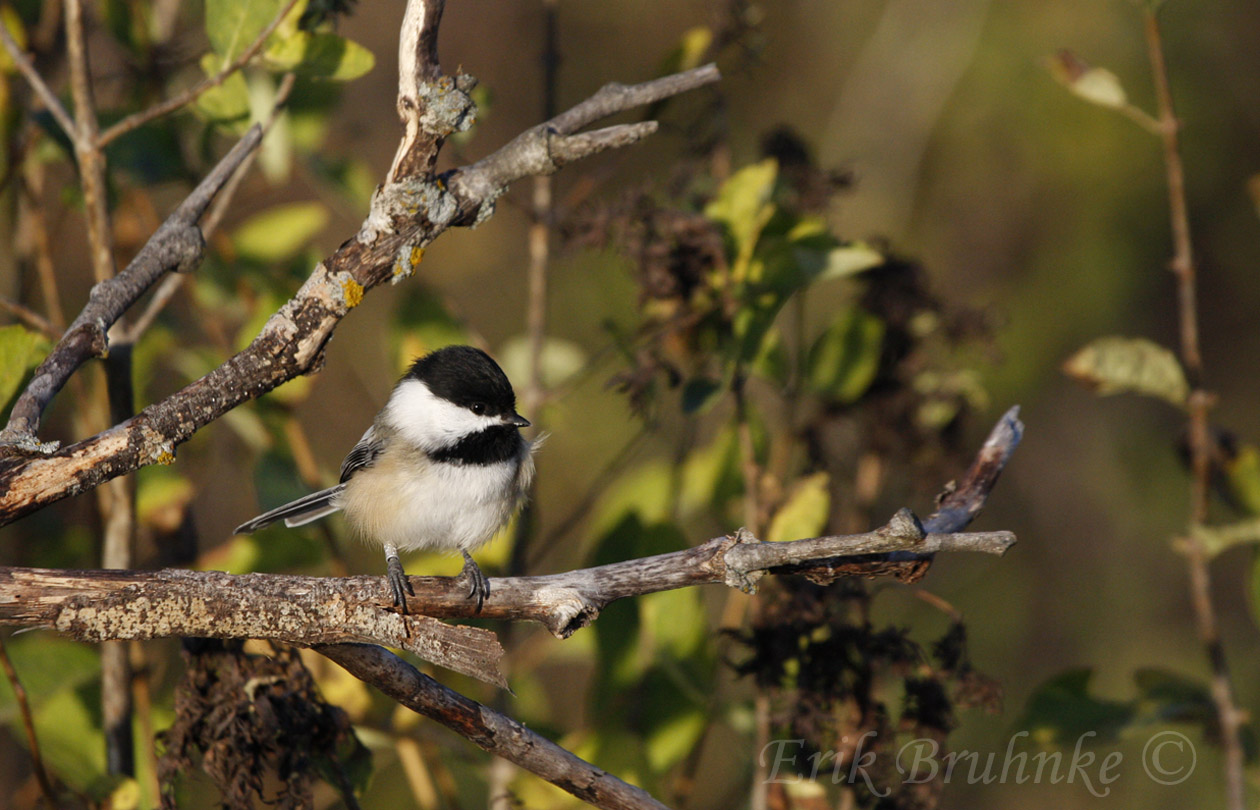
399 586
478 584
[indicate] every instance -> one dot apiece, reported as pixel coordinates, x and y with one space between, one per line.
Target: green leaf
849 260
1242 480
9 19
1113 365
20 351
844 360
280 232
804 514
1061 710
692 47
321 55
227 103
743 205
232 25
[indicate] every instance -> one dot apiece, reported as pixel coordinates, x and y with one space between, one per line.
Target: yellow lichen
353 292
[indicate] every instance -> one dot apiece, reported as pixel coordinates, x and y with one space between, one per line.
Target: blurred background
1044 214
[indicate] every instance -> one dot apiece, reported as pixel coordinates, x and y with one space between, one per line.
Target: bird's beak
516 419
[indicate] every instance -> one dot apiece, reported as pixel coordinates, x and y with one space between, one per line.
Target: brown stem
1199 403
28 725
91 157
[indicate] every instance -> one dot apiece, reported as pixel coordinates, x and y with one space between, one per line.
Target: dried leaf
1114 365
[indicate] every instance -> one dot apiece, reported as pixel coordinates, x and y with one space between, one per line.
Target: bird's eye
479 408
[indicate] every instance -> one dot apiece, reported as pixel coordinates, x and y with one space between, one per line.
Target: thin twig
37 83
31 318
190 95
28 724
1182 264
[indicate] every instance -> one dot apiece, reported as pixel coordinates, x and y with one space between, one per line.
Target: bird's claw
399 585
478 583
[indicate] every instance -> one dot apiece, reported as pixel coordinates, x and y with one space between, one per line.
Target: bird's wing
364 454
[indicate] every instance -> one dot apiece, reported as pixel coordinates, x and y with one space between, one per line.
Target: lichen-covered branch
407 213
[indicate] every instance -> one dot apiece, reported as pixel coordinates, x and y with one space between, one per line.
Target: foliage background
1018 198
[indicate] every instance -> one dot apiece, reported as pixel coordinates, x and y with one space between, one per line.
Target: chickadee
443 466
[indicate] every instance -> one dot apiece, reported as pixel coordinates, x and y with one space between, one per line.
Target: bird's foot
399 585
478 583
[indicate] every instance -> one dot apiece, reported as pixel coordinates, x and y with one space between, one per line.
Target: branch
405 217
175 246
139 119
115 605
37 83
548 146
492 731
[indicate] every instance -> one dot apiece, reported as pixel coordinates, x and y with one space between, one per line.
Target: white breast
415 503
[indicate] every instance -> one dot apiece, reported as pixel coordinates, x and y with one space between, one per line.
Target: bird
443 466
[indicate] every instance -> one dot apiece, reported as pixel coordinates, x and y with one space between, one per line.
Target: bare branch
490 730
537 149
176 245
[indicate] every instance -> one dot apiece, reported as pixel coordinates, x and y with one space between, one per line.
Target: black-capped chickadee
443 466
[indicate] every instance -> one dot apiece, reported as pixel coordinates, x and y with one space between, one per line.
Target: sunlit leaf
844 360
849 260
229 101
743 205
672 740
20 351
9 19
321 55
233 25
1095 85
804 513
693 45
1113 365
280 232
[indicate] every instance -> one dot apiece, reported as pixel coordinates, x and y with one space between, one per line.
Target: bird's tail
297 513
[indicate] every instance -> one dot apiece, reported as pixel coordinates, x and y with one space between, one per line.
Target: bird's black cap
466 376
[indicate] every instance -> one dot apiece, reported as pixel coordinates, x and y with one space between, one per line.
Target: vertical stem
118 511
28 724
1200 401
116 674
89 156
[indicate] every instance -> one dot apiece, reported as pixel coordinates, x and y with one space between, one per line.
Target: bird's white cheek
428 421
